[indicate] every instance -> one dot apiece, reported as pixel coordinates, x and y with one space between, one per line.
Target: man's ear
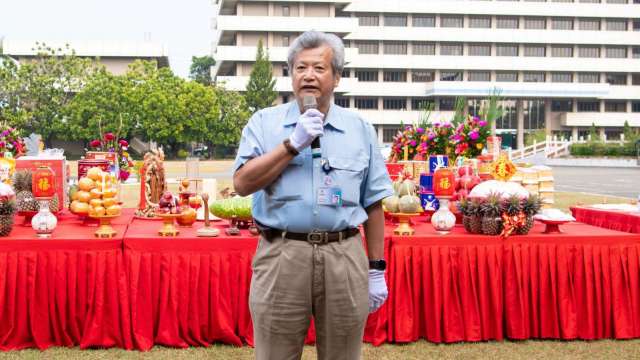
336 81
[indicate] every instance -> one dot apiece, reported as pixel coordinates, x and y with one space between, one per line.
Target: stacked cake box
546 187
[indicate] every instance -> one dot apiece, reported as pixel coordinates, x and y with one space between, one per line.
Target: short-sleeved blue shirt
349 145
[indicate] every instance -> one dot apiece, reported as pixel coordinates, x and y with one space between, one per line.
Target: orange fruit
114 210
84 196
79 207
99 211
95 173
95 202
109 193
95 194
108 202
86 184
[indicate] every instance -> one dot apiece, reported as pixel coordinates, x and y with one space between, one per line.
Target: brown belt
320 237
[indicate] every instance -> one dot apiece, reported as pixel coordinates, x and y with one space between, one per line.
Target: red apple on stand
465 170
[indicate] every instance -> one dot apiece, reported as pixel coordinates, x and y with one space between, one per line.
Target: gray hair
314 39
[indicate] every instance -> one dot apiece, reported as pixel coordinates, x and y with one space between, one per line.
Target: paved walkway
624 182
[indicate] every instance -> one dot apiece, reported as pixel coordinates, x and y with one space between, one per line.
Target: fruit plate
552 225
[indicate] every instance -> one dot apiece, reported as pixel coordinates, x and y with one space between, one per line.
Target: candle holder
105 231
207 231
168 228
404 223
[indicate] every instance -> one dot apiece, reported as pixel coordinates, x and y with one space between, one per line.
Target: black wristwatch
378 265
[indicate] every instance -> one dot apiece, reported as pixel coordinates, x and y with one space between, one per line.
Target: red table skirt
583 284
609 219
63 298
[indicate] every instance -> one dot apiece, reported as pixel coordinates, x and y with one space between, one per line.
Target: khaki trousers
293 280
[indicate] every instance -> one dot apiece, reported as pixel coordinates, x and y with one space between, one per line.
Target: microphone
309 102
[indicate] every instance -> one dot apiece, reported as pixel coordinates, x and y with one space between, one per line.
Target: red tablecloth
609 219
461 287
65 291
190 291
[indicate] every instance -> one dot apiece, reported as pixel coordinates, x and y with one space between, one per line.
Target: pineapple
512 205
463 206
24 198
530 207
7 208
475 214
491 221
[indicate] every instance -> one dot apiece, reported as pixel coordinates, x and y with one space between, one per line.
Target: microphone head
309 102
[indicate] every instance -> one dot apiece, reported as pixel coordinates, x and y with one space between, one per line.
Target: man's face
313 75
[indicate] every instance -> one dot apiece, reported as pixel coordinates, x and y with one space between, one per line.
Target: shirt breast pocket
347 174
284 187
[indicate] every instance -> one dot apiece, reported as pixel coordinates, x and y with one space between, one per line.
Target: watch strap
290 149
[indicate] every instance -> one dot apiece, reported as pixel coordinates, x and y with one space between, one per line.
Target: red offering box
57 165
85 164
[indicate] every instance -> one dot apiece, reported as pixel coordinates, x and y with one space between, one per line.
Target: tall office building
560 66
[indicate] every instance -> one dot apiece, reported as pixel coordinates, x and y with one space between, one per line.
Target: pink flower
413 143
123 175
95 143
109 136
420 130
2 144
482 123
123 143
474 135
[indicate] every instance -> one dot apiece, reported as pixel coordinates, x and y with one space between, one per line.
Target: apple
465 170
457 183
466 182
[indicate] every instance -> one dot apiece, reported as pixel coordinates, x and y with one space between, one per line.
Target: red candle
444 183
43 183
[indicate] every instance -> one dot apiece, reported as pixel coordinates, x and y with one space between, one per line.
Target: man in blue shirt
310 259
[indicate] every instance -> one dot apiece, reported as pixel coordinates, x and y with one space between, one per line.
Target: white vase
443 220
44 222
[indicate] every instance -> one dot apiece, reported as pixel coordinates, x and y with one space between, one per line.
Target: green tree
200 70
40 88
261 86
593 133
629 133
233 116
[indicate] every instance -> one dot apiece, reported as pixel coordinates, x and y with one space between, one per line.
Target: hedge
602 149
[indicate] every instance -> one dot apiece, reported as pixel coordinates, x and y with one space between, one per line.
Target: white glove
377 290
309 126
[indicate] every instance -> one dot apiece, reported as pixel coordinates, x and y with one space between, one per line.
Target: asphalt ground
623 182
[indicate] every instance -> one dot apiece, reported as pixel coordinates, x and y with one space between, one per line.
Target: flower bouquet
10 142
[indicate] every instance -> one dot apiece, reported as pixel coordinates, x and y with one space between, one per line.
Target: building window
533 77
479 76
616 24
506 22
366 103
479 50
451 49
561 105
618 52
285 70
421 48
562 24
394 104
561 77
450 75
447 104
615 106
635 106
616 79
535 50
394 76
507 50
345 73
395 48
341 101
389 133
367 75
422 76
562 51
588 106
589 24
506 76
635 79
285 40
424 21
451 21
636 24
395 20
419 104
535 23
285 11
483 22
636 52
369 20
589 51
367 47
591 78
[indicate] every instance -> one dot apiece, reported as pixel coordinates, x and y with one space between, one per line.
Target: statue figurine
152 183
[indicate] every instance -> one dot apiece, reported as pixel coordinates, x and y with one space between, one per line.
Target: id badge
331 196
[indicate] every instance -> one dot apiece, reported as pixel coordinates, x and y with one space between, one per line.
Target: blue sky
183 25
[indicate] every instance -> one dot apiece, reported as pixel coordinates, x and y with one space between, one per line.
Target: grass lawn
550 349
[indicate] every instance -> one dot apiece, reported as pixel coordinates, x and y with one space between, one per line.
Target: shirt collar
333 117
